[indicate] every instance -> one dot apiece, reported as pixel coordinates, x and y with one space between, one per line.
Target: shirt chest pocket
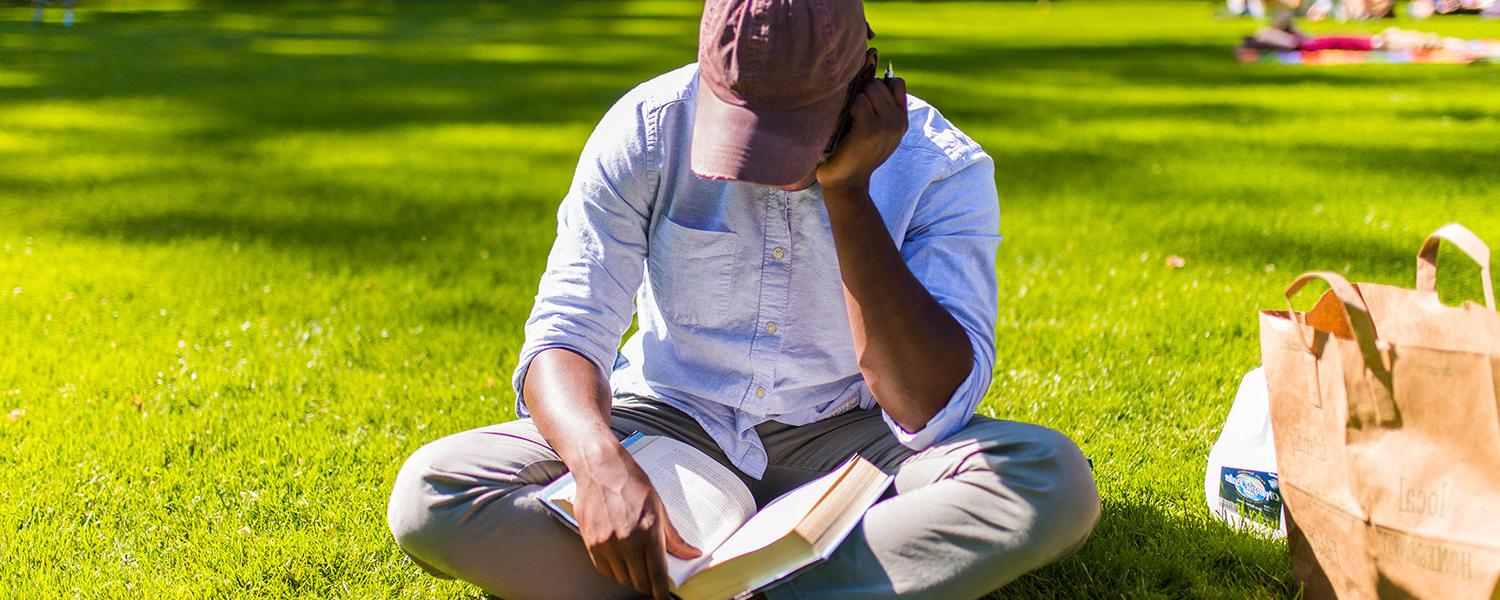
691 272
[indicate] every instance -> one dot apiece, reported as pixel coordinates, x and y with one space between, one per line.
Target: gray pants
968 515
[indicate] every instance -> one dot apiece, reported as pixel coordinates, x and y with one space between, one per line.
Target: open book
744 551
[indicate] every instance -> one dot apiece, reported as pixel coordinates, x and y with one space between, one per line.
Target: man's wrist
847 193
595 454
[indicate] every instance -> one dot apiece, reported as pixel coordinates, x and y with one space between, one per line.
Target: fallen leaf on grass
15 415
1176 262
244 530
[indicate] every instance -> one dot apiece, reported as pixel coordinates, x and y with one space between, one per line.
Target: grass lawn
252 256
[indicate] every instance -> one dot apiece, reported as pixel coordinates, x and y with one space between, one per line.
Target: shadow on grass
1296 249
254 73
426 64
1445 166
242 75
1139 551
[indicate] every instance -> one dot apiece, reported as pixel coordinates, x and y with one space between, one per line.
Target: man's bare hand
625 526
878 114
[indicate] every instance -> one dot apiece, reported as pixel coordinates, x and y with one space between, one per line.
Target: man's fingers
640 575
614 567
892 106
864 113
601 562
679 547
621 572
656 569
898 93
880 97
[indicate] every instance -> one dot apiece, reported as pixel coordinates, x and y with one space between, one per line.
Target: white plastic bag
1241 485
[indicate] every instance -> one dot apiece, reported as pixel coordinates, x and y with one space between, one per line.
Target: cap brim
764 147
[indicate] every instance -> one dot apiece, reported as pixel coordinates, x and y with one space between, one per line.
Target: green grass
252 256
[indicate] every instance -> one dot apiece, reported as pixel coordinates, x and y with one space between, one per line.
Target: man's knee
458 493
464 507
1073 508
418 528
1048 473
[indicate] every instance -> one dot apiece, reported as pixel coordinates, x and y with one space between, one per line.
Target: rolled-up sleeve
586 297
950 247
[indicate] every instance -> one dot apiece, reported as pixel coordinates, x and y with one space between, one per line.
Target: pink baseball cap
773 76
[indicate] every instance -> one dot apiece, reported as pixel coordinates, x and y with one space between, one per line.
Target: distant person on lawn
810 291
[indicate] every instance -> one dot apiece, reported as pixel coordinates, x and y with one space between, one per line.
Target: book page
791 533
705 500
777 519
561 495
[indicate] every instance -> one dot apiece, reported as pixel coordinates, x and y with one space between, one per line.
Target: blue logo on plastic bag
1251 487
1255 495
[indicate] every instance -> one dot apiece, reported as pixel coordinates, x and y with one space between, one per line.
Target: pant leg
466 507
971 513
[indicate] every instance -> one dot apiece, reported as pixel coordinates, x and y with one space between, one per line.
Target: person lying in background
1285 35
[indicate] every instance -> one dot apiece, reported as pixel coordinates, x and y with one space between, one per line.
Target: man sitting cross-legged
810 253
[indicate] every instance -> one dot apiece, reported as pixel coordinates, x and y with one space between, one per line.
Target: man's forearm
569 401
911 350
622 520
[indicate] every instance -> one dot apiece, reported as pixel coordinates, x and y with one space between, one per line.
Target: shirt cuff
951 418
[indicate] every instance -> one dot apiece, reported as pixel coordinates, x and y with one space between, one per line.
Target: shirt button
770 327
778 253
760 392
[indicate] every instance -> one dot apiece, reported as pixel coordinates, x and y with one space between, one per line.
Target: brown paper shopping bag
1385 405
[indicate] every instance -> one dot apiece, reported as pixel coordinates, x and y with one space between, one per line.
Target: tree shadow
423 64
227 85
252 73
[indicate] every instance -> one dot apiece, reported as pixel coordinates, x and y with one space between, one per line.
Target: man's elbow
913 425
912 394
914 409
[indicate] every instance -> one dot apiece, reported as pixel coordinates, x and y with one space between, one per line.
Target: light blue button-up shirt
741 317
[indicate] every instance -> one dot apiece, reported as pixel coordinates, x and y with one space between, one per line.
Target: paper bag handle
1355 311
1463 239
